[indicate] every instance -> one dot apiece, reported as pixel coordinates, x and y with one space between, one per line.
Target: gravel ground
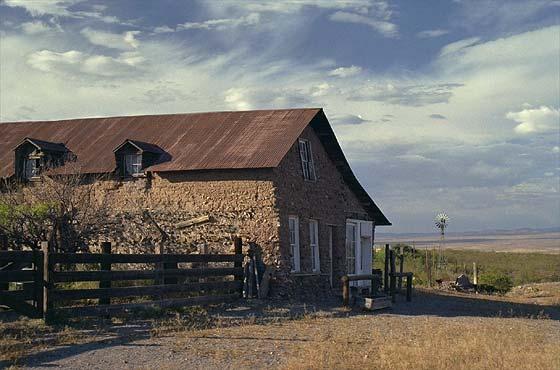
266 334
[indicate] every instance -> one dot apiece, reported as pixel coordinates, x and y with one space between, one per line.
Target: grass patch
500 270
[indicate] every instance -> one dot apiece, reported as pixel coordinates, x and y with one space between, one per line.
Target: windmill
441 221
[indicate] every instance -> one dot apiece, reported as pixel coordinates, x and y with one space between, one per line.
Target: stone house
274 177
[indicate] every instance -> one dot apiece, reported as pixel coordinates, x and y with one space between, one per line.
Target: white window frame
314 245
132 164
306 155
351 255
30 168
293 227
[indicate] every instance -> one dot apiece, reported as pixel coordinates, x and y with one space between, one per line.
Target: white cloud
348 119
556 149
124 41
382 26
536 120
41 7
458 46
221 24
431 33
346 71
37 27
72 62
407 95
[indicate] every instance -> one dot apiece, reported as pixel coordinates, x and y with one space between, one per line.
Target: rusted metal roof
195 141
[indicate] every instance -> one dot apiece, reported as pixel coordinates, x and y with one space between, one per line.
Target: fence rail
42 283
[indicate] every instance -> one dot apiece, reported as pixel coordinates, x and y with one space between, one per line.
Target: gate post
38 281
238 250
105 249
386 270
46 282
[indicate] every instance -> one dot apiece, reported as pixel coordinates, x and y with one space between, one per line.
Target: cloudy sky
439 105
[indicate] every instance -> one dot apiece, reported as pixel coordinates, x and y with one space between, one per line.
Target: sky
438 105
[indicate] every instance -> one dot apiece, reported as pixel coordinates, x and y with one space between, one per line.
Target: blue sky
439 105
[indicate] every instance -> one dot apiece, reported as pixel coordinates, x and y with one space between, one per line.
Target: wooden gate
21 283
50 290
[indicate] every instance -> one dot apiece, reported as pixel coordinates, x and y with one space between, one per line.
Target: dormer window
133 157
31 168
33 156
133 164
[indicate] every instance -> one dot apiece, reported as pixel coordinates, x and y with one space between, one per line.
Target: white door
359 243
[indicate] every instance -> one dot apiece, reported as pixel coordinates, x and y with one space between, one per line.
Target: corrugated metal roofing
195 141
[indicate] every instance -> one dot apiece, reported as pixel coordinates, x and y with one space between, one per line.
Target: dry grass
19 338
431 343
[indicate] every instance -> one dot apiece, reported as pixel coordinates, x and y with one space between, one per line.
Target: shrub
499 281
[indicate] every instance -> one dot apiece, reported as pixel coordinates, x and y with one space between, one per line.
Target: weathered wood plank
16 256
22 295
141 258
18 275
167 303
72 294
192 222
70 276
19 305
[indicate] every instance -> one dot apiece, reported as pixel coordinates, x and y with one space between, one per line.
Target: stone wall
239 202
328 200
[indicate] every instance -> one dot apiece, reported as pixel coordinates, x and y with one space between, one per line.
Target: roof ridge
161 115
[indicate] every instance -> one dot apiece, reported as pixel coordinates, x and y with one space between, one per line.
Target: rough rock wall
239 202
328 200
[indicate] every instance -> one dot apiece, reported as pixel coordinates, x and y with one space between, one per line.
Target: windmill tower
441 221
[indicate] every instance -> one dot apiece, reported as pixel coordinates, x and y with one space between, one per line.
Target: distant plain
545 242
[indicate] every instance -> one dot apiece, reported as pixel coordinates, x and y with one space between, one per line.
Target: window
133 164
306 160
31 168
294 242
314 244
351 248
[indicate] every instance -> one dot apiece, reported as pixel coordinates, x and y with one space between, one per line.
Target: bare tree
66 210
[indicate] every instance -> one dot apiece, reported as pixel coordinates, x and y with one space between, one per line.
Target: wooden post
105 249
409 287
427 267
238 250
46 283
386 271
345 290
38 281
4 247
475 275
401 267
393 281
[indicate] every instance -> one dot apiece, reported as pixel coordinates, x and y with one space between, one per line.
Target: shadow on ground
425 302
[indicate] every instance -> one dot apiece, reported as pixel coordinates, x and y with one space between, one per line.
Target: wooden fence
47 293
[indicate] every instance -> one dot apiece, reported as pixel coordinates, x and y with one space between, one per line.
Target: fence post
475 276
386 271
392 276
46 283
409 287
4 247
105 249
238 250
401 268
38 281
345 290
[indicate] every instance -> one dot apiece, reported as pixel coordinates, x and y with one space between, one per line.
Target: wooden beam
71 276
168 303
142 258
193 221
152 290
